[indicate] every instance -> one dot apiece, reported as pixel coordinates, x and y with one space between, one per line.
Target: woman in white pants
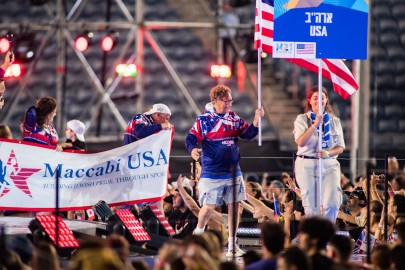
306 165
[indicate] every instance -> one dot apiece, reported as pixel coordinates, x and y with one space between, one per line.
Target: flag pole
259 72
320 134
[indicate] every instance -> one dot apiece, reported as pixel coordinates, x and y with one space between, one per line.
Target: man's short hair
317 228
343 245
168 199
273 237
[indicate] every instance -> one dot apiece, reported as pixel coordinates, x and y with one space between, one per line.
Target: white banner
133 173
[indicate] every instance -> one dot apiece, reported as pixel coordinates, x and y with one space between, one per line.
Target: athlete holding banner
148 123
306 165
38 127
218 130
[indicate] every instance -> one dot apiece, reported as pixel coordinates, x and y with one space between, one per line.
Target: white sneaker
198 231
238 252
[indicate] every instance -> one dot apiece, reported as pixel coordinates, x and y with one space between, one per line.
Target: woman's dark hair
399 202
313 90
5 131
44 107
376 207
297 204
255 187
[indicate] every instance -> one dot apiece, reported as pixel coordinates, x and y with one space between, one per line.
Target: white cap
159 108
77 127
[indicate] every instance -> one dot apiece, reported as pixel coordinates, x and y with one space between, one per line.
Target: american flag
277 212
304 48
333 69
360 247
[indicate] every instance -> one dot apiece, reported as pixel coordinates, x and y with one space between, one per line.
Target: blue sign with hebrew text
335 29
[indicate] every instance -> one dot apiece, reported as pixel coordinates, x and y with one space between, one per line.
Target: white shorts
215 191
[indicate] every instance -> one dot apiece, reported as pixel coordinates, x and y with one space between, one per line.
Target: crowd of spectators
290 240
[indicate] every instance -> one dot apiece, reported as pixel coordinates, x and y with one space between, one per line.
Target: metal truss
62 23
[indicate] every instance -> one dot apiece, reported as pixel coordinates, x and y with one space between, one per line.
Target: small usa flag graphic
305 48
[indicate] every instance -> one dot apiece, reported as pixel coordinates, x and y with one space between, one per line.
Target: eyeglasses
226 101
352 196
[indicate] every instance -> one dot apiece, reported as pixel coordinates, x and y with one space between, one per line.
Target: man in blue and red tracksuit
148 123
218 130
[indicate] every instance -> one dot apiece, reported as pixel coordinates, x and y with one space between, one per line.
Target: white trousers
306 173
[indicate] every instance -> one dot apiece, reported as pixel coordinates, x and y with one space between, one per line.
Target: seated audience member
181 255
376 209
277 188
284 177
344 181
45 257
120 245
292 211
273 238
95 255
397 258
5 132
250 256
314 234
293 258
381 257
22 246
393 168
340 249
400 229
228 265
209 242
11 261
140 265
397 183
181 218
355 212
247 219
168 205
253 178
396 215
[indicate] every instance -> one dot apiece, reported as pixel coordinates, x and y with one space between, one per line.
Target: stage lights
13 71
126 70
45 226
83 41
108 42
4 45
133 228
220 71
24 47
